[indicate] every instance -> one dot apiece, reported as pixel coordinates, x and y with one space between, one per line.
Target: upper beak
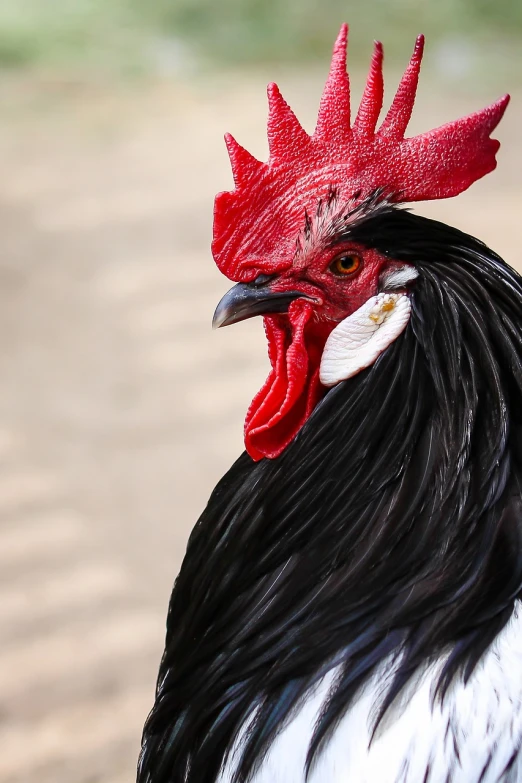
245 300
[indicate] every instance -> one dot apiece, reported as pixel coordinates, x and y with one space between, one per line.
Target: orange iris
346 264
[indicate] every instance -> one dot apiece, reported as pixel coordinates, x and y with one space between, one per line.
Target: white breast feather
481 720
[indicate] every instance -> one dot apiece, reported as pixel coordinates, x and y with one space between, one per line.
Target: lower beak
245 300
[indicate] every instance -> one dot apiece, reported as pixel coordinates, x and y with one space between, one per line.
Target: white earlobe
358 340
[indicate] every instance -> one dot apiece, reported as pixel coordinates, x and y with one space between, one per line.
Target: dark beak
245 300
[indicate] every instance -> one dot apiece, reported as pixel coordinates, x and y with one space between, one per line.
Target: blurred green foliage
246 30
61 33
124 34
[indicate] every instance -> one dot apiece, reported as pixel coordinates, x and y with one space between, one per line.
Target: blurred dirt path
119 407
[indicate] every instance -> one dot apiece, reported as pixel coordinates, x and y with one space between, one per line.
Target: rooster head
287 234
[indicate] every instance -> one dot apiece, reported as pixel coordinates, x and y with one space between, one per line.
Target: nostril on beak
261 280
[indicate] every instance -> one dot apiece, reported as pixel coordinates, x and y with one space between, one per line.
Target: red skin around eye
295 345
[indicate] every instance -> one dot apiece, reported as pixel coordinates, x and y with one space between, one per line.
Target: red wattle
292 390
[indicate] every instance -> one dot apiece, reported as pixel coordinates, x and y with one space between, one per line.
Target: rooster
348 607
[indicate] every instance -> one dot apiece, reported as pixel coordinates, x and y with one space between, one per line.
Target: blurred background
119 407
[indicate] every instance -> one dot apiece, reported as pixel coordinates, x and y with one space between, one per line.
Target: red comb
256 225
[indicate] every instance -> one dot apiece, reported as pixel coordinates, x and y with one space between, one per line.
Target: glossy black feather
392 524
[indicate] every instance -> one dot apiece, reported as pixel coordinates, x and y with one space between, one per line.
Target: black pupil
347 262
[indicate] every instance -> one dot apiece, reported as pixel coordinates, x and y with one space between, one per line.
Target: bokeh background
119 407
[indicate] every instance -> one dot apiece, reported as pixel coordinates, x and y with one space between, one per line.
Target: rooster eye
346 264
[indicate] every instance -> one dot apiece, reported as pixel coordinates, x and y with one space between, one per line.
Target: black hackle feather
391 527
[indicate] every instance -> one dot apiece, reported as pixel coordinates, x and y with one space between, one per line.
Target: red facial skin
296 341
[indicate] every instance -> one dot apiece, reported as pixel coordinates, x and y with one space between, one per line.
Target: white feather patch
398 277
358 340
474 734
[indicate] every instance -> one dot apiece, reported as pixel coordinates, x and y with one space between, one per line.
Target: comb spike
333 119
399 113
244 165
287 139
371 101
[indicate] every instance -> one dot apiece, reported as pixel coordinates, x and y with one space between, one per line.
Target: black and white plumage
348 611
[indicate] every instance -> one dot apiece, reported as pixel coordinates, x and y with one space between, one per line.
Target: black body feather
392 523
